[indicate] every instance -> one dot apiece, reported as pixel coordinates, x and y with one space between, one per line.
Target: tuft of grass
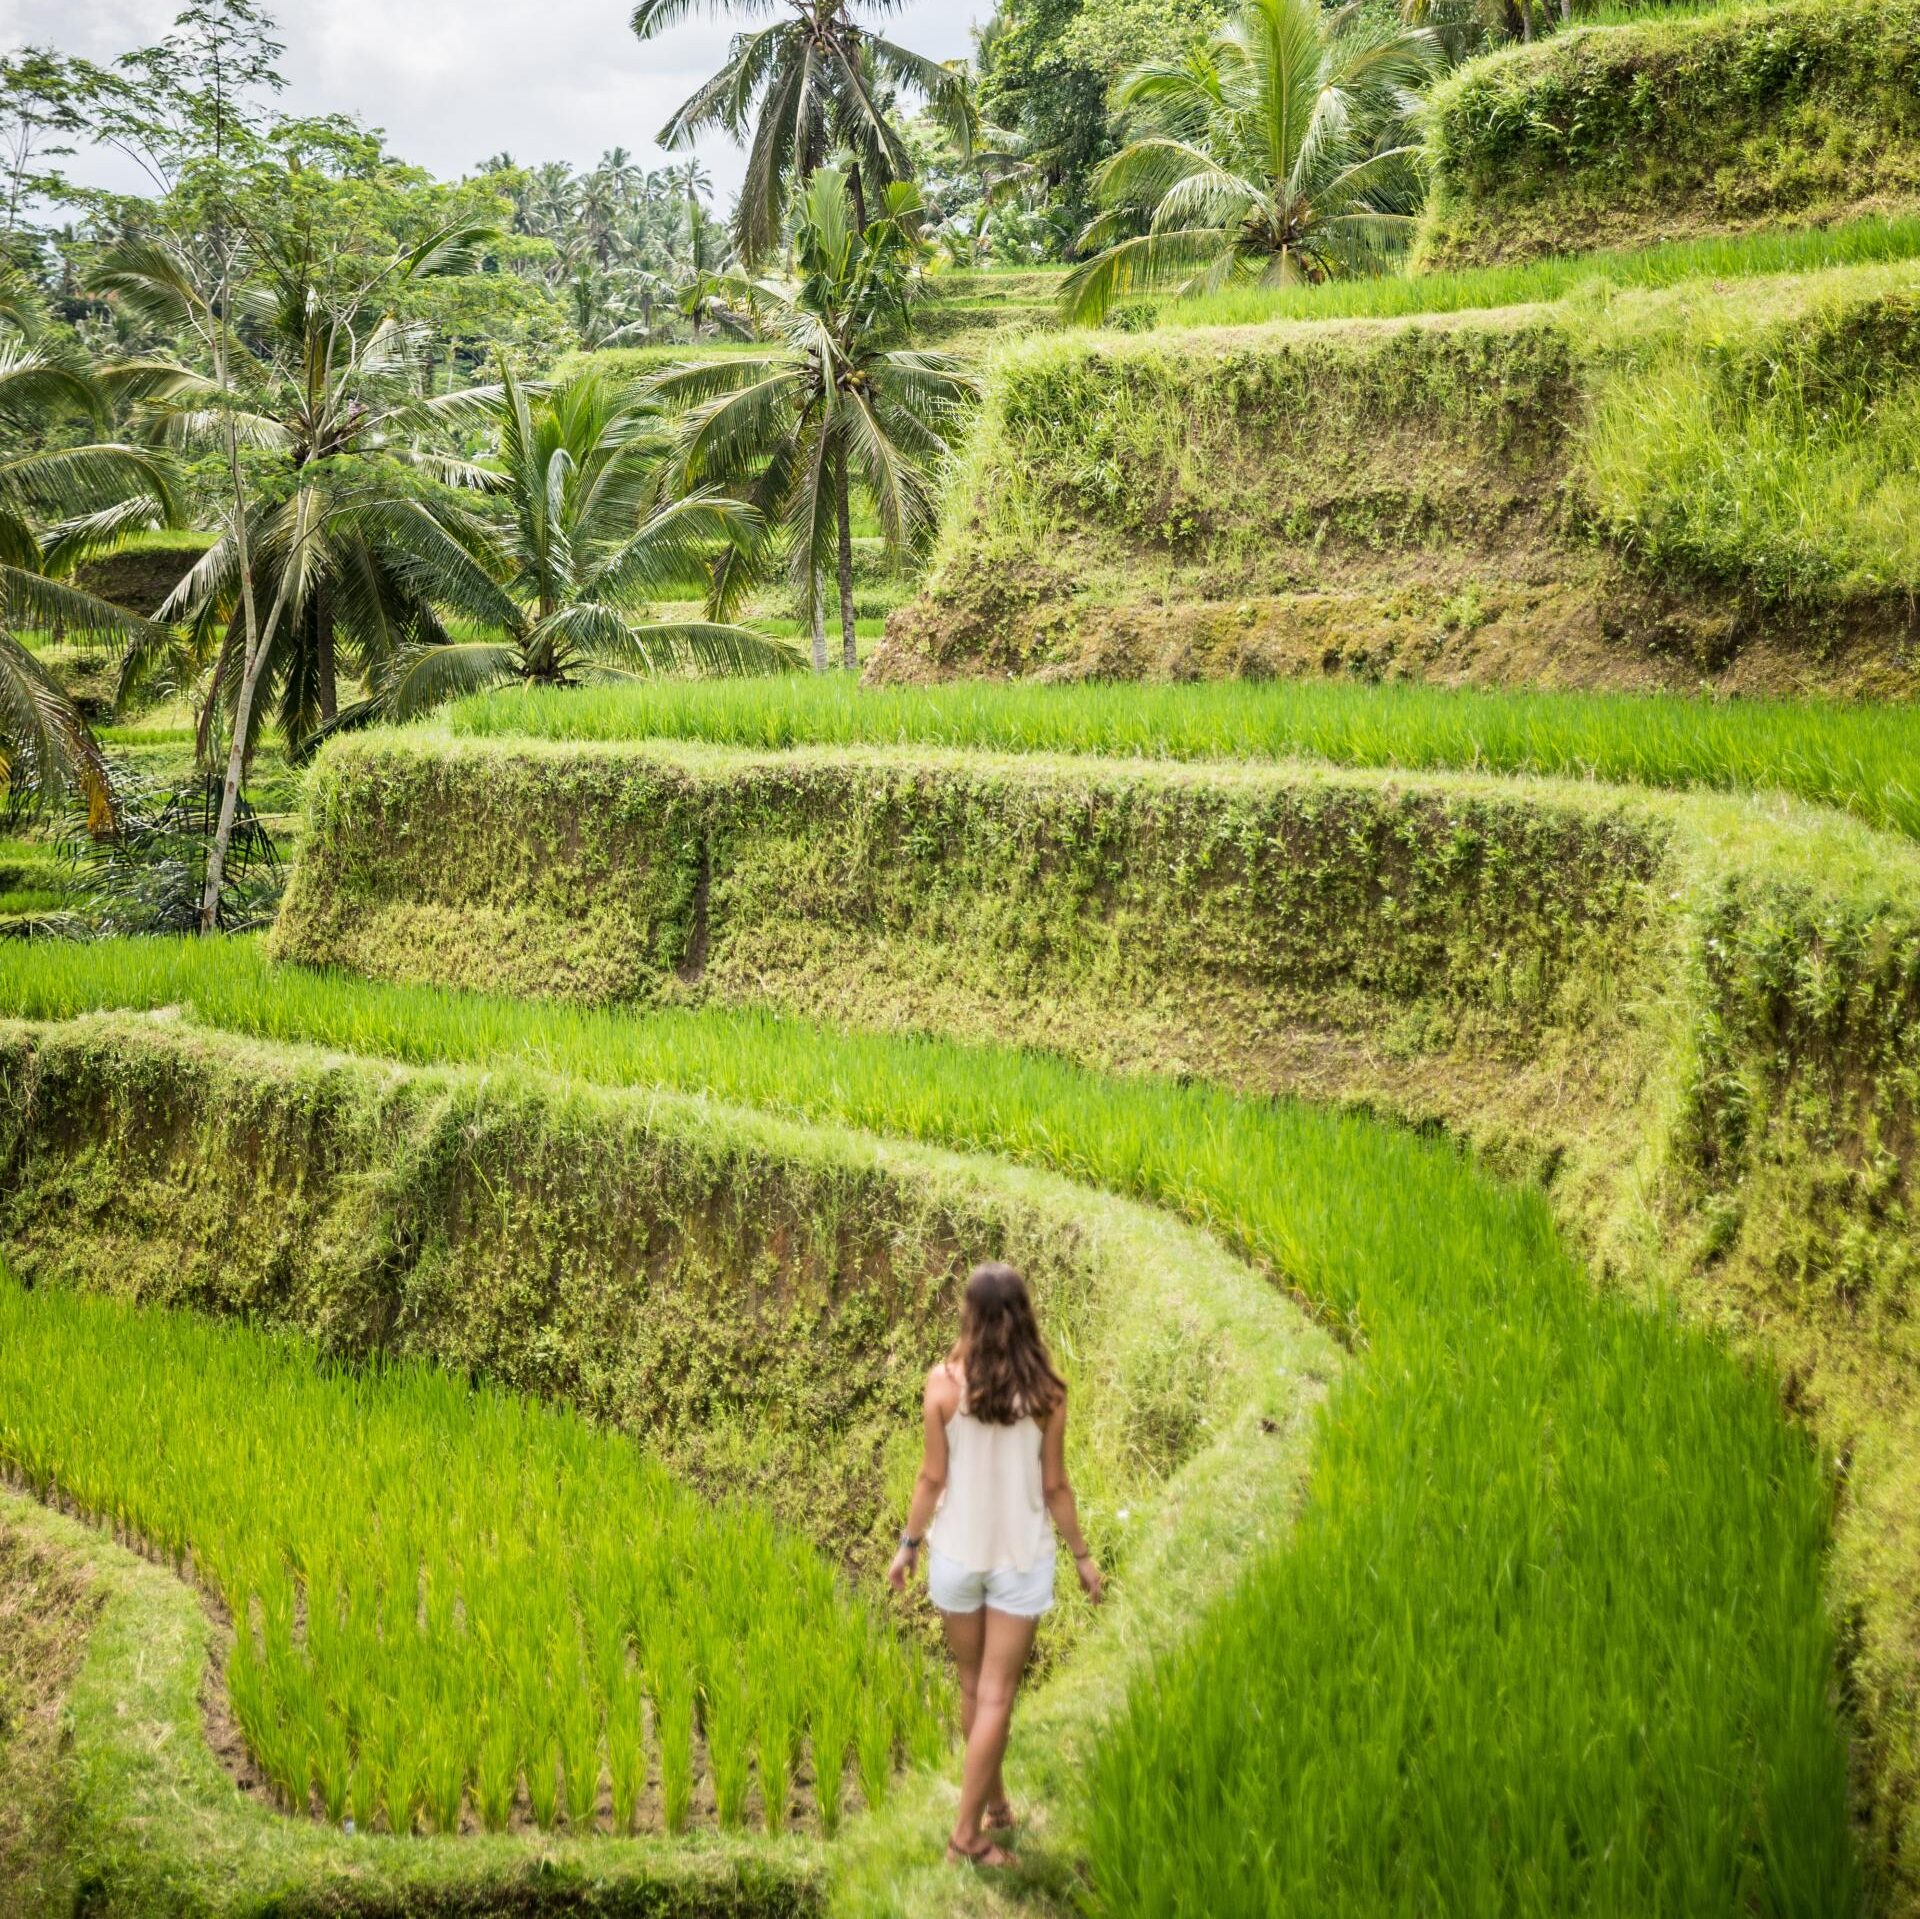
1551 1635
1860 758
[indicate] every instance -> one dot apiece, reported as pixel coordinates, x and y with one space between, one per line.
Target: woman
995 1468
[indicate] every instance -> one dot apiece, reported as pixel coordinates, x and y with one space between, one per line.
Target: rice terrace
995 991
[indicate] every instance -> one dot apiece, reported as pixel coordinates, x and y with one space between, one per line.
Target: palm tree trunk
328 689
859 197
849 646
817 601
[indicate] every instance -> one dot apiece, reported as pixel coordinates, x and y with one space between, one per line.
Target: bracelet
1081 1559
908 1543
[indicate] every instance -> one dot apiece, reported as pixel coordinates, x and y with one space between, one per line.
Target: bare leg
1008 1641
967 1641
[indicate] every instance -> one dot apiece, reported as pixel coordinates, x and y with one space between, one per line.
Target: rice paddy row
456 1606
1550 1633
1865 759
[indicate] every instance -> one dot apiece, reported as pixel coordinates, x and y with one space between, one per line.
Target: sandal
998 1817
985 1854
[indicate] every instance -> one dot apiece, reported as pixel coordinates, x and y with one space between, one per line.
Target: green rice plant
672 1727
444 1785
543 1778
363 1793
834 1710
775 1735
497 1776
726 1717
626 1749
1859 757
580 1760
444 1634
874 1749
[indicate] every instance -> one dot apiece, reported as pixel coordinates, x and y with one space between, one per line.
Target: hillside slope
1647 488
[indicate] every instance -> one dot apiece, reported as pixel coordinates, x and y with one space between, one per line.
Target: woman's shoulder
946 1386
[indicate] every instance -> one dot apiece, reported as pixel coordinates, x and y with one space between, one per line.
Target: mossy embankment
758 1299
1698 1019
1719 122
1702 483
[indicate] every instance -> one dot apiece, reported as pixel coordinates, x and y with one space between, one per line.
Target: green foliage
1739 118
808 86
842 400
1276 153
521 1581
1858 757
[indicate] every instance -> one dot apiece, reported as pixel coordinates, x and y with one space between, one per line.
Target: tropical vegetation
844 402
1280 151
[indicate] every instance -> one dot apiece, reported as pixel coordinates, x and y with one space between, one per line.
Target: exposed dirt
1446 625
46 1614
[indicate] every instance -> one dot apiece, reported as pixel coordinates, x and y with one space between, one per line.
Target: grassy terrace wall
756 1297
1719 123
1648 488
1699 1019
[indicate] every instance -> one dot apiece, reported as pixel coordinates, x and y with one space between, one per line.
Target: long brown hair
1009 1376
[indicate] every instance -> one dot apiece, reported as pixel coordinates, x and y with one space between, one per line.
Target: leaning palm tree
562 574
1276 153
842 400
58 507
812 82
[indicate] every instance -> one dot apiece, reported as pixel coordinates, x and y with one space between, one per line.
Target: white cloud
455 80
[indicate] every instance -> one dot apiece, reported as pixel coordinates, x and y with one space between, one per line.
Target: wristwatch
908 1543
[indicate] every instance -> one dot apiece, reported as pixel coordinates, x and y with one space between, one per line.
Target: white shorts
1006 1589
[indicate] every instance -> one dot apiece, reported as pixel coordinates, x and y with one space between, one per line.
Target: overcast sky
453 81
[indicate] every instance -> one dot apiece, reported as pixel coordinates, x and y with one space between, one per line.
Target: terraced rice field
454 1606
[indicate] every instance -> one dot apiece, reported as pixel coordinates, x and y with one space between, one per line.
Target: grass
1393 296
1860 758
1551 1636
542 1608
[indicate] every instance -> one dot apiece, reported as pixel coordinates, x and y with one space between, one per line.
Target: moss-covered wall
1726 121
1165 907
1523 496
759 1301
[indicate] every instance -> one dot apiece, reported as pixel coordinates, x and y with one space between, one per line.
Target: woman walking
993 1485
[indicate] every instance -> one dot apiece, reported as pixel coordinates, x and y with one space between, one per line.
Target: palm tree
1275 155
840 400
813 81
59 506
332 391
582 546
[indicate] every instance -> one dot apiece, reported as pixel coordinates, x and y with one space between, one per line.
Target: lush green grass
544 1603
1863 758
1391 296
1552 1636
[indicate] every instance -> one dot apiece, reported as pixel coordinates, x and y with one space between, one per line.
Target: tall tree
813 82
842 401
1277 152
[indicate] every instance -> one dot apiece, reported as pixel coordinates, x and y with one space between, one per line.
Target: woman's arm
1060 1501
932 1480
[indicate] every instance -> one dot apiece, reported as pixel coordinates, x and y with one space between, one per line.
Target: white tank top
993 1514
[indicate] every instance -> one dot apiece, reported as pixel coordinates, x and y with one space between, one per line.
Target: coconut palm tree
813 81
841 400
336 394
563 571
1275 154
59 506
